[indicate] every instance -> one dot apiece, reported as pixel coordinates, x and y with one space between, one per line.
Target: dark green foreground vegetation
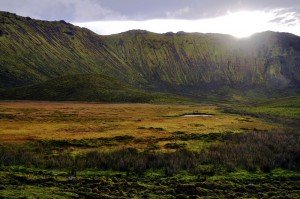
250 151
258 164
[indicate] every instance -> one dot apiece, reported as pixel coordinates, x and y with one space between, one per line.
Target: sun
243 23
239 24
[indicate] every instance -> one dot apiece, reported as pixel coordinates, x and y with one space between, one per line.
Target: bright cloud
239 24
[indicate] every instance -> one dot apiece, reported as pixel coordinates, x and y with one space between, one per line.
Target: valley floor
23 121
102 150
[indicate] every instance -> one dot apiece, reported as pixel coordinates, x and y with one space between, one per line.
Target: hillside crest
35 51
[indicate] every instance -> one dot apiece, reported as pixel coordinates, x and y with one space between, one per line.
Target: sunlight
239 24
242 24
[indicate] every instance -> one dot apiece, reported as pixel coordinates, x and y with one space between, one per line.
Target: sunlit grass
280 108
27 121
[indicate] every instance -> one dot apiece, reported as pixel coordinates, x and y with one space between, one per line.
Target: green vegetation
286 107
249 151
98 184
39 55
284 110
87 88
246 165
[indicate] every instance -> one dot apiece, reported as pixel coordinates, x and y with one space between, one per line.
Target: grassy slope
85 88
284 107
283 110
33 51
209 61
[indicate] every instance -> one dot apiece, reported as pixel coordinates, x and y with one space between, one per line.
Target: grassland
285 110
105 150
27 121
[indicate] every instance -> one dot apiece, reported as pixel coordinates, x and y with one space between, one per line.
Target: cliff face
33 51
206 60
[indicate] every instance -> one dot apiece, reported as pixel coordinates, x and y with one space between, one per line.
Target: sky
240 18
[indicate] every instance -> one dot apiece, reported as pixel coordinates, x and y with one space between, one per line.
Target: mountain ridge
36 51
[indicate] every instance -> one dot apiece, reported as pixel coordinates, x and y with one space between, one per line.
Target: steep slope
204 61
33 51
34 54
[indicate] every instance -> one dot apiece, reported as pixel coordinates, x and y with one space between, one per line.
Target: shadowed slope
80 87
33 51
204 61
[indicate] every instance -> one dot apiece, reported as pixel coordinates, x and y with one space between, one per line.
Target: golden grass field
22 121
136 150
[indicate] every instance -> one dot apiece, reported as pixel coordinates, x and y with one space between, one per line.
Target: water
196 115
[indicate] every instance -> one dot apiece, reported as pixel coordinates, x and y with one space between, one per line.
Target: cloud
286 17
178 13
69 10
89 10
94 10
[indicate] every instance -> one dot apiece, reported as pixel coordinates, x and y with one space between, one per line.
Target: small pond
196 115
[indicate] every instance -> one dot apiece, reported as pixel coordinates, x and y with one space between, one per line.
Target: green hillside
79 87
34 52
86 88
205 61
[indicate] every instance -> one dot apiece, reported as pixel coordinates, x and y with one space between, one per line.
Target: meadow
111 150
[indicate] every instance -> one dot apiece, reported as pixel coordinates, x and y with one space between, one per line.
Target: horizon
231 24
154 32
240 19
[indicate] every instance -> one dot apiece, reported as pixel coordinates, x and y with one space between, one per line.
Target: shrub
175 145
251 151
265 150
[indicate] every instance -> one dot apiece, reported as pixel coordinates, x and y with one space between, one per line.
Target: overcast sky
113 16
